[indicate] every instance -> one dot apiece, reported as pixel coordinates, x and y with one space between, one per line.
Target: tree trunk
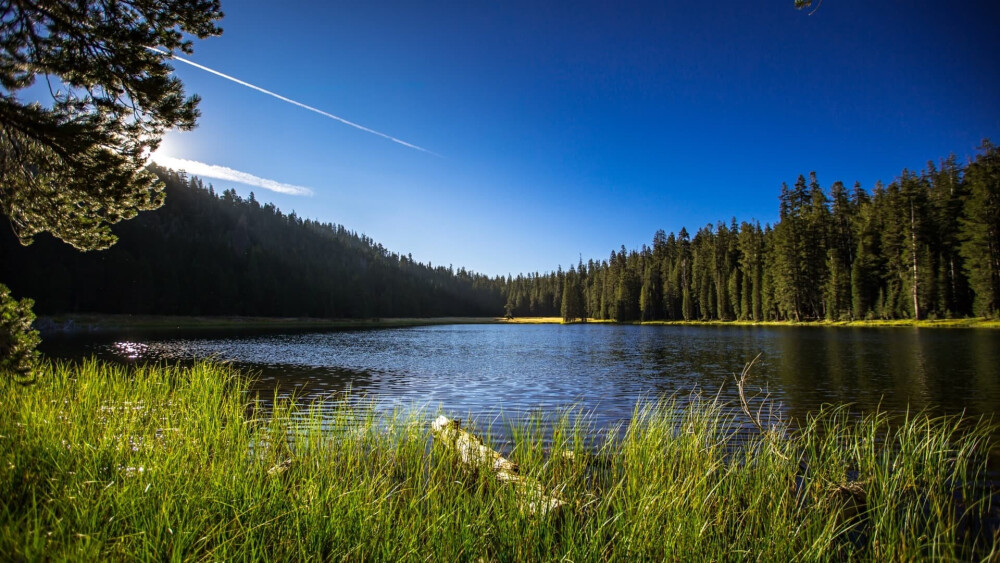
913 239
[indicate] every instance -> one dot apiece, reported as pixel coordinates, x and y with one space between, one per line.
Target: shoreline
972 322
94 323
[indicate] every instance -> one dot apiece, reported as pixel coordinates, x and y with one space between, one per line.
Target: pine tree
840 251
649 292
572 302
751 263
76 166
17 339
683 273
670 274
864 269
913 197
790 254
981 229
629 286
814 249
769 301
947 196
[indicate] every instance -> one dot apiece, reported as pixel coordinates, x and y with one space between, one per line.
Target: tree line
925 246
208 253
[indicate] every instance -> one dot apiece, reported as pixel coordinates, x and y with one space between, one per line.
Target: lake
514 370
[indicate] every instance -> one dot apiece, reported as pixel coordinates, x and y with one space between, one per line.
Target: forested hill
204 253
926 245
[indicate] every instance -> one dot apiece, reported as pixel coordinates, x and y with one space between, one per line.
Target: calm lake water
514 370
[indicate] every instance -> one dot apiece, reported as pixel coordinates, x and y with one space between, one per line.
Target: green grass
167 463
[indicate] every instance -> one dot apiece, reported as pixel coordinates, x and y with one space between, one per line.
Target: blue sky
562 130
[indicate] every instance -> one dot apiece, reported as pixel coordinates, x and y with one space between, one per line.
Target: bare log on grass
473 453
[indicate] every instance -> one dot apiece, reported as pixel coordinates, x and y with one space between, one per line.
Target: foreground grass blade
181 463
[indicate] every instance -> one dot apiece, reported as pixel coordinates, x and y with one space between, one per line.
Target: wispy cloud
223 173
291 101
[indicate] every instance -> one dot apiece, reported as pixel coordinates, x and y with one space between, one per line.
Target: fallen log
473 453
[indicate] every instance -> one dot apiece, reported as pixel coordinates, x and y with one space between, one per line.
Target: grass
549 320
169 463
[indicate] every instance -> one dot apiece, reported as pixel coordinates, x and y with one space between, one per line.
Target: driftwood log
473 453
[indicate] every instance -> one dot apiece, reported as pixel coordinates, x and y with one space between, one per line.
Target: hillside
204 253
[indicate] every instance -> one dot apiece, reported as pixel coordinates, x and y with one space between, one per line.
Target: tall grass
170 463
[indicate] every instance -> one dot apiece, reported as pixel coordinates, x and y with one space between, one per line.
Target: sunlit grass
100 462
549 320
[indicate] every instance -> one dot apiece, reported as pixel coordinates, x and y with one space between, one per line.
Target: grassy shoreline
975 322
69 325
170 463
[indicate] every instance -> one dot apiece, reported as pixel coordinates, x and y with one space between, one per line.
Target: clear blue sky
569 129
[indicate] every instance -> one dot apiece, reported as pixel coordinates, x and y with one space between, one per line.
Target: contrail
225 173
291 101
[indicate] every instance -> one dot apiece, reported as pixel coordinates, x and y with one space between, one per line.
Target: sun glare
165 150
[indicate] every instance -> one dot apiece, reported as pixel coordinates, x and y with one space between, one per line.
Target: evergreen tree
629 286
913 193
683 274
572 303
816 234
947 195
76 166
791 259
769 300
650 299
17 339
981 230
840 250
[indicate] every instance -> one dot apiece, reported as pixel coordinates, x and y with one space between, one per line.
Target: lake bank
72 324
976 322
100 463
101 324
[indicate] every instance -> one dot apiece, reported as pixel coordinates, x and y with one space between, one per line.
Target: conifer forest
926 245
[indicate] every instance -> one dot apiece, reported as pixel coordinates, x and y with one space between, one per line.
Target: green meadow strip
180 463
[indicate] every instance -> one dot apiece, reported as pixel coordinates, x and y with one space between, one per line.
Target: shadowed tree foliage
208 253
76 165
17 339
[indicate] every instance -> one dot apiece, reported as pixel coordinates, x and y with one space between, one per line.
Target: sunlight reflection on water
511 371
